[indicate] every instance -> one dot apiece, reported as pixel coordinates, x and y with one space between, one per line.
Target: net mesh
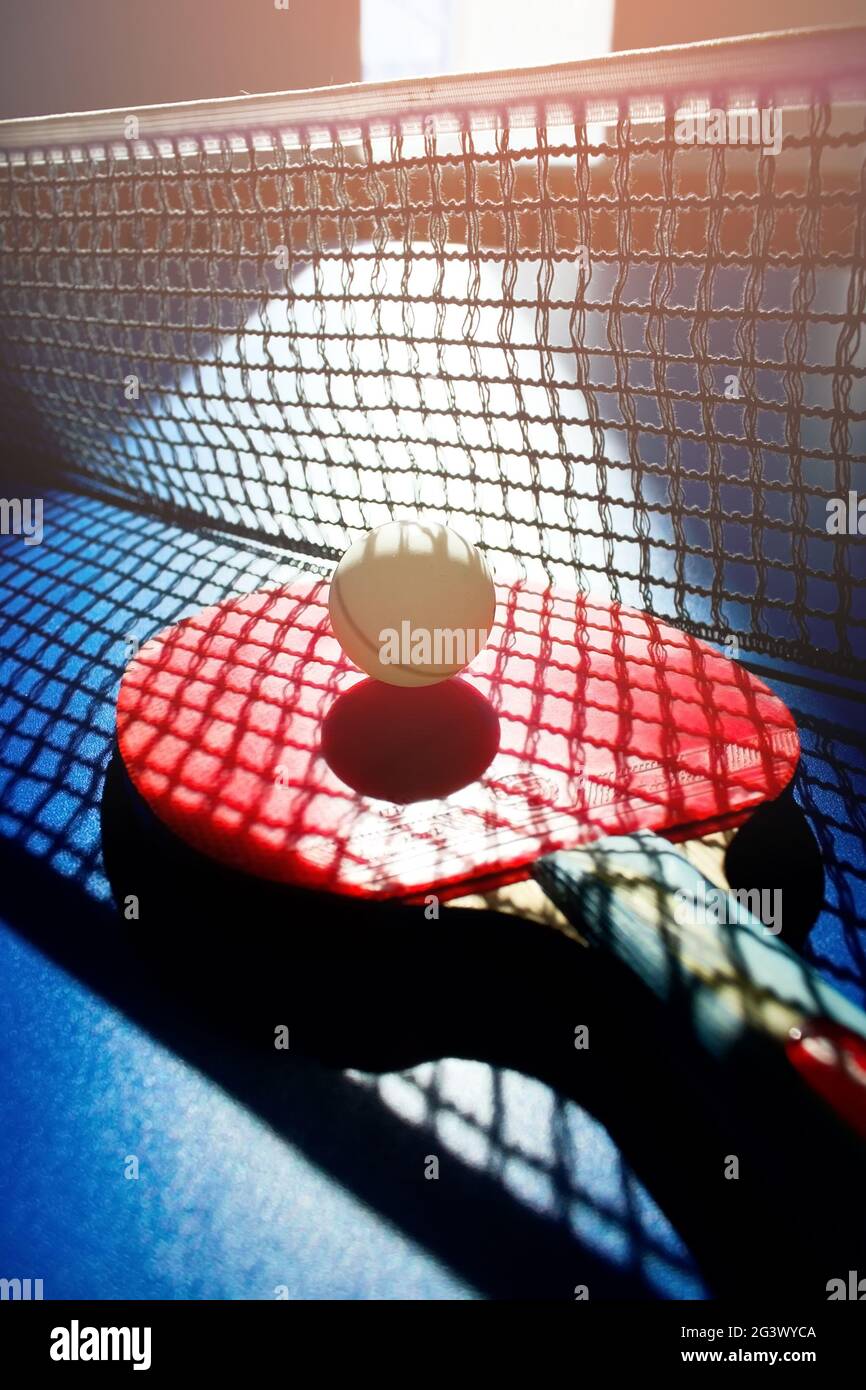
607 354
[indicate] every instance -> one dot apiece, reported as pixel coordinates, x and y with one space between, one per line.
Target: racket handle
740 992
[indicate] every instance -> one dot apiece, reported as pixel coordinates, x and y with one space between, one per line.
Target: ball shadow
402 744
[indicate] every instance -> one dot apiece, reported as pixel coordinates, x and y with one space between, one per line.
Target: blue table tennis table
144 1155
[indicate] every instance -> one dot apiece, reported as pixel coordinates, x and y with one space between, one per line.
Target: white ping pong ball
412 603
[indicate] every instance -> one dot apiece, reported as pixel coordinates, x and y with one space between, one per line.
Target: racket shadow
498 1244
222 961
380 989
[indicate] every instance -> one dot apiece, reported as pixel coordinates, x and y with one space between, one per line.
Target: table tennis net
599 319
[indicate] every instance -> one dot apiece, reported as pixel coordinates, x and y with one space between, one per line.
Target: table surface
295 1180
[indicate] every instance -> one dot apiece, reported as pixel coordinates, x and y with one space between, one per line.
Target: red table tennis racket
581 726
252 736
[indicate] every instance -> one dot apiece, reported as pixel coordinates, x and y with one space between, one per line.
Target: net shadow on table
67 611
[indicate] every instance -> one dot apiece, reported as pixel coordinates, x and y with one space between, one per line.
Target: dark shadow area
208 974
383 988
406 745
777 847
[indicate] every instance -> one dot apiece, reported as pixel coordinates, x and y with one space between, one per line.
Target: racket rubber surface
253 738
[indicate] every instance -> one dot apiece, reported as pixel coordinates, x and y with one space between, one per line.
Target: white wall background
415 38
